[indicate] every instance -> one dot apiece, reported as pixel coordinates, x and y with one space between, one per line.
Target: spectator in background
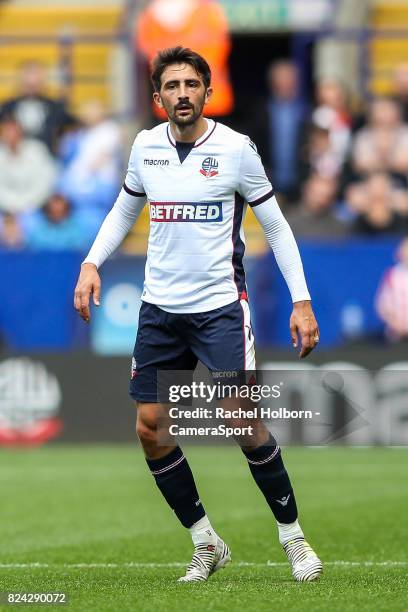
377 204
198 24
11 232
318 155
40 117
383 144
392 296
27 170
56 227
277 126
93 163
333 114
315 216
400 89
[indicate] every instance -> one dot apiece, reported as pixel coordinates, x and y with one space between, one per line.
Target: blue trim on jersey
207 137
196 144
268 195
130 191
183 149
238 244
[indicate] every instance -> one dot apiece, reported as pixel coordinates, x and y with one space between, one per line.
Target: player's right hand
89 282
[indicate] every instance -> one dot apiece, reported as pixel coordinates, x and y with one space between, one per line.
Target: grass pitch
93 521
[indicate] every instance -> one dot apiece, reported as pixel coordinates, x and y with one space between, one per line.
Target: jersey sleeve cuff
136 194
89 260
262 199
303 296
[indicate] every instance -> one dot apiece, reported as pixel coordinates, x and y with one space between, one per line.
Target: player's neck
189 133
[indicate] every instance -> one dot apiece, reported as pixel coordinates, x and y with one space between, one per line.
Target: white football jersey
196 241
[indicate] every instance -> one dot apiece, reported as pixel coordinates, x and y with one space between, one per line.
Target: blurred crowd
59 173
338 172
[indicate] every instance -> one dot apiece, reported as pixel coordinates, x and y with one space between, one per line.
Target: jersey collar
211 125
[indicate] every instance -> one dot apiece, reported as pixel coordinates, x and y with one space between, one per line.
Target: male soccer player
198 177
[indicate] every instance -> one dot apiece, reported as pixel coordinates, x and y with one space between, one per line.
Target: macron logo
156 162
198 212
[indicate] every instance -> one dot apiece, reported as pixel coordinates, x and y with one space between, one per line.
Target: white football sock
202 532
289 531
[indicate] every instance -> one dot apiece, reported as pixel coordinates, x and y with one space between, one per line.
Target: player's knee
145 432
146 424
248 432
240 423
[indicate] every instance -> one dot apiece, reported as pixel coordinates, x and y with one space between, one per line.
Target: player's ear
208 95
157 99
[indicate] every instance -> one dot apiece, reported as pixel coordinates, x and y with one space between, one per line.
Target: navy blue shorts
222 339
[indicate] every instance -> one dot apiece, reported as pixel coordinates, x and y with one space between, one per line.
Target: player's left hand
303 323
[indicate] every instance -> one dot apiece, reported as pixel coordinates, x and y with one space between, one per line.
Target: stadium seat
386 52
90 59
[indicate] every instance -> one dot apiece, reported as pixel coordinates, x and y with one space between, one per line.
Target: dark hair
179 55
8 117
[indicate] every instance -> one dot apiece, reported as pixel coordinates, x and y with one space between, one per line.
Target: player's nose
182 92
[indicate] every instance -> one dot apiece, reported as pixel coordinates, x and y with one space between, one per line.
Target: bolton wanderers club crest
209 167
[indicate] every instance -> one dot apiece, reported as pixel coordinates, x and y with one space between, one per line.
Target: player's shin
268 470
175 480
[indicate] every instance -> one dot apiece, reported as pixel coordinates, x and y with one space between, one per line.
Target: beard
188 119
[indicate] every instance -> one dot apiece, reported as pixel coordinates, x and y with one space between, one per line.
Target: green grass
62 506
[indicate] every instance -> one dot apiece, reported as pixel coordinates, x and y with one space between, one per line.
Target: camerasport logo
30 398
